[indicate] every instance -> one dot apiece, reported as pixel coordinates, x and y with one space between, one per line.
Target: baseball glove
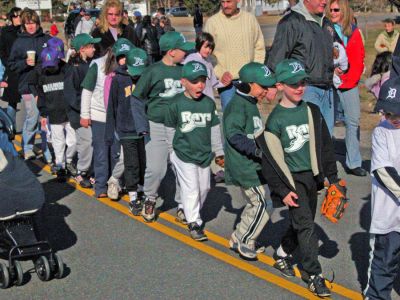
220 161
335 201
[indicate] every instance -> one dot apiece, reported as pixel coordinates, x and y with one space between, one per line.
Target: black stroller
21 197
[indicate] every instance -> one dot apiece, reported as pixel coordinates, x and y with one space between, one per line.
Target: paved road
111 254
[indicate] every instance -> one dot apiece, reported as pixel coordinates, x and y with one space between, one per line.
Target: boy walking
299 155
241 123
385 195
158 85
193 131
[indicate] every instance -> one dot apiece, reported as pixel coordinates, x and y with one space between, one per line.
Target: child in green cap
193 132
93 115
123 122
83 45
242 123
298 156
158 85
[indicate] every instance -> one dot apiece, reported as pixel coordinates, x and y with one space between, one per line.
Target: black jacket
48 84
72 90
7 39
149 40
107 39
198 18
275 170
304 39
120 111
17 59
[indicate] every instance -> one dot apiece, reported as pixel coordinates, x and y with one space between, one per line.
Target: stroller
22 197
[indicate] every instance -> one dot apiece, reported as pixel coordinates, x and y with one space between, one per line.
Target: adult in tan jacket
387 40
238 41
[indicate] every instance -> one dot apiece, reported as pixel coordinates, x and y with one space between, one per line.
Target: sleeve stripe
390 179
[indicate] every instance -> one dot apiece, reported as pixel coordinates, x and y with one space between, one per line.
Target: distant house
278 7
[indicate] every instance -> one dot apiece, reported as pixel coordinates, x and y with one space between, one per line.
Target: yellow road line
292 287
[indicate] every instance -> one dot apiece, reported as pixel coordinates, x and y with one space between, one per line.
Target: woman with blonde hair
111 28
349 35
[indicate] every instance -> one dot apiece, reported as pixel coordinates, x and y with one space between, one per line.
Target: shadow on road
359 244
51 222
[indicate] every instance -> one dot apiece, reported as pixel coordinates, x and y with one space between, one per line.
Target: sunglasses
16 16
335 9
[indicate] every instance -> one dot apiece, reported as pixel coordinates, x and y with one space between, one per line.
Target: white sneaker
113 188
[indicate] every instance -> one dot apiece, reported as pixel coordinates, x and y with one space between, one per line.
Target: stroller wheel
18 273
42 268
4 276
58 266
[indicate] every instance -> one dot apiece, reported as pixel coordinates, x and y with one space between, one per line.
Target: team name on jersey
258 127
52 87
172 87
299 135
129 90
193 120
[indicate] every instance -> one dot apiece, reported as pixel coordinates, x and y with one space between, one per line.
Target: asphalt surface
111 255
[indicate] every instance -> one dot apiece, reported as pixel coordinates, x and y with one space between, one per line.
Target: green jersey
192 119
290 125
159 84
241 116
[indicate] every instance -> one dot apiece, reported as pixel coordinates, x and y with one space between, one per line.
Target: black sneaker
284 264
136 207
71 169
317 285
196 232
61 175
180 216
149 211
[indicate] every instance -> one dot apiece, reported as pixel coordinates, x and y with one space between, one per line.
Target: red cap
53 30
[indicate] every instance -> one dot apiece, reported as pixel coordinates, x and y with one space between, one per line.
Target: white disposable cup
31 54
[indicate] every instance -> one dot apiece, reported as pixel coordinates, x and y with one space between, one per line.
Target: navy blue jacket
17 59
48 85
125 119
72 90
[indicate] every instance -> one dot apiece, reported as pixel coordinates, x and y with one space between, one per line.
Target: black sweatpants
384 265
134 162
301 232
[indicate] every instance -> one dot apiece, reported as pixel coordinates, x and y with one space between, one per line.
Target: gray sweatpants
157 162
84 148
254 216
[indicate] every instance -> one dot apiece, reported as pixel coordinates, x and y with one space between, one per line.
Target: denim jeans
104 157
226 94
323 98
12 113
350 101
31 122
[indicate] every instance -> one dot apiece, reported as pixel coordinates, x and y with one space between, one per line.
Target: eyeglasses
115 15
335 9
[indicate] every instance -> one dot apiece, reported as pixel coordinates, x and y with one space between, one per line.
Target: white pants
63 135
194 182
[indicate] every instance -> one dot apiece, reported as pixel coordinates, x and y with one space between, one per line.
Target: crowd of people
130 99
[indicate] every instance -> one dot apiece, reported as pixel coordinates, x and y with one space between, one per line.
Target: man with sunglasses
7 38
306 35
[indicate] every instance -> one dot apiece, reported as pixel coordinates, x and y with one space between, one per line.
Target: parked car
179 12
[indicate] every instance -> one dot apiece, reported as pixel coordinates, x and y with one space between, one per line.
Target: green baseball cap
290 71
193 70
122 46
258 73
136 61
83 39
174 40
